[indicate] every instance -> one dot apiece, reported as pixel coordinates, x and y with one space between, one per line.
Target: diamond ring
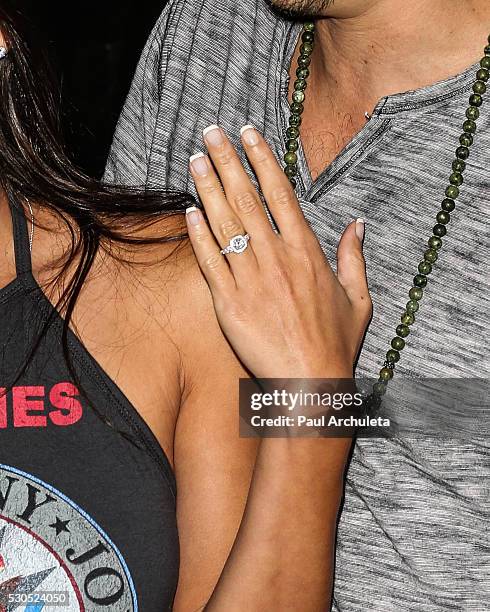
237 245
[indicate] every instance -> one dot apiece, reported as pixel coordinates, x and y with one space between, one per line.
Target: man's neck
395 45
389 47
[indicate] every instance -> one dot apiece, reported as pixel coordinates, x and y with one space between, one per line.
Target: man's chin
295 9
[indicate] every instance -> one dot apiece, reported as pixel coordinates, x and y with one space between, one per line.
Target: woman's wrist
309 370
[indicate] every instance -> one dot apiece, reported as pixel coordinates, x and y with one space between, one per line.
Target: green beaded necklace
443 216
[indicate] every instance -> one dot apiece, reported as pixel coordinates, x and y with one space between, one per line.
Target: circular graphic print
53 556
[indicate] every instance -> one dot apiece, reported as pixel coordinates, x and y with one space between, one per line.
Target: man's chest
393 171
323 141
328 123
398 188
396 181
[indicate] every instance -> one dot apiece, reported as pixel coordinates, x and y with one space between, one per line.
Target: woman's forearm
286 314
283 555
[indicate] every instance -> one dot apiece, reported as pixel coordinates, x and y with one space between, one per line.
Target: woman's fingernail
194 215
360 229
199 164
249 135
213 135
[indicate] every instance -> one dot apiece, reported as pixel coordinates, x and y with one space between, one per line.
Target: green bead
412 306
485 63
302 73
295 120
300 84
483 75
420 280
472 113
393 356
403 330
298 96
297 108
435 243
293 182
290 158
448 205
480 87
469 126
408 318
306 49
292 132
416 293
379 388
476 100
443 217
307 37
398 343
487 50
292 145
459 165
431 256
462 152
452 192
456 178
309 26
304 61
290 171
386 374
439 230
466 140
425 267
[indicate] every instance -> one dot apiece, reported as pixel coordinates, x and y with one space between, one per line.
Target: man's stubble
301 8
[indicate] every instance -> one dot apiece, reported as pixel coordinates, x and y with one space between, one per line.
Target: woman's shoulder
150 296
174 275
166 279
145 313
193 349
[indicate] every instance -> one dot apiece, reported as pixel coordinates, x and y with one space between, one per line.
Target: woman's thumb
351 267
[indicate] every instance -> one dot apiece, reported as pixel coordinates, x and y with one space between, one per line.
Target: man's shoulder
205 61
182 19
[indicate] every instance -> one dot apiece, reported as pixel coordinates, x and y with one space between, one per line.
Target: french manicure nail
360 226
213 135
193 215
249 135
199 164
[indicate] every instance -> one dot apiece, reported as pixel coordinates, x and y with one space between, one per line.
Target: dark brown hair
35 167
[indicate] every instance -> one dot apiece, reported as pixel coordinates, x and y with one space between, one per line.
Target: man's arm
130 151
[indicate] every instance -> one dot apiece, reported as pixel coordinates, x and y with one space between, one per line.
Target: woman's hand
284 311
287 315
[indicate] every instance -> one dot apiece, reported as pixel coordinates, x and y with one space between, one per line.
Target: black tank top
87 504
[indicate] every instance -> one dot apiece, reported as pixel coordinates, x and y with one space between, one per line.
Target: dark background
94 46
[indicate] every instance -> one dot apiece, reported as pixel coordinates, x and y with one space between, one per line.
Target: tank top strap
23 262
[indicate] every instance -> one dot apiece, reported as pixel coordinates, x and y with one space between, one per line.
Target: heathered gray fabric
414 533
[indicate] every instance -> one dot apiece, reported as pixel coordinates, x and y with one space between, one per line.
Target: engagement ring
237 244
